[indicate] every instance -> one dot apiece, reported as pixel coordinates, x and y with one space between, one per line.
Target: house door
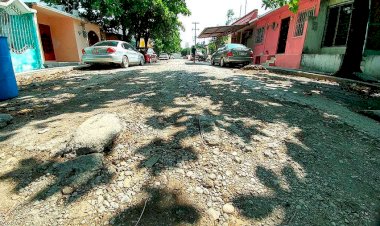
283 35
47 44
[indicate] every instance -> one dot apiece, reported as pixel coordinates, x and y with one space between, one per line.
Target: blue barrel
8 84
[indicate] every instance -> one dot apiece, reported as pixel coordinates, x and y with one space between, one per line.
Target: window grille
338 26
19 30
301 19
260 35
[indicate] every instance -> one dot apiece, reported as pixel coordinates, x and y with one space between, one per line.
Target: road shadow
74 178
161 208
327 174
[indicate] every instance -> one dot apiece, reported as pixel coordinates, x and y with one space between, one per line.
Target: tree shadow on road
78 176
161 207
254 112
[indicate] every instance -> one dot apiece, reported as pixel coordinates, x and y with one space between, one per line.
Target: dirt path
202 145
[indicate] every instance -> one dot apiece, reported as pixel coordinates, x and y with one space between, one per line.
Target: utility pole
195 38
195 32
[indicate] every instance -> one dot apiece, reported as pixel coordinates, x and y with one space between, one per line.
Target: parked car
164 56
112 52
176 56
232 54
150 56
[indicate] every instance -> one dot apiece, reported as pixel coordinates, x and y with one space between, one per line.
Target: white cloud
213 13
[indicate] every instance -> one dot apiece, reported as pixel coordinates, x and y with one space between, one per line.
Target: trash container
8 85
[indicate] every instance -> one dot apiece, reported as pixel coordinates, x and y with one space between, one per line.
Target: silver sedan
112 52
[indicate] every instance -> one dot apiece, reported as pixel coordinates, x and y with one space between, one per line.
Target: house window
301 19
338 25
260 35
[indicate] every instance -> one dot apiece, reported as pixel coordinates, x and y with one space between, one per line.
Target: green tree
230 16
140 18
356 37
217 42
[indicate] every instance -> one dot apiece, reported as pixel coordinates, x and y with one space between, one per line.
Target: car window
150 51
233 46
107 43
127 46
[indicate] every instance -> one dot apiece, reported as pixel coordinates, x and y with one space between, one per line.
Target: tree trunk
146 39
124 31
356 39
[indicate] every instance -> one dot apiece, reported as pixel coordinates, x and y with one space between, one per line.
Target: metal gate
19 30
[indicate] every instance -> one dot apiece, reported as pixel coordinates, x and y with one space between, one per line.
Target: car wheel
222 64
212 62
124 62
141 62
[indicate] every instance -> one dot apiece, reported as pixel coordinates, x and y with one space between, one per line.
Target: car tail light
83 51
111 50
251 54
230 54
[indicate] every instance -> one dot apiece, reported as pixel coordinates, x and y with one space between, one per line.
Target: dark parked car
232 54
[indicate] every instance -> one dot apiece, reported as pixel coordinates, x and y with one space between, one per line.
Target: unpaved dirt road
201 145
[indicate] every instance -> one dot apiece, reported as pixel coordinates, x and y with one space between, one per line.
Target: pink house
278 36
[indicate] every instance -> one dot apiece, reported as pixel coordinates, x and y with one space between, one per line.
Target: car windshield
150 51
236 46
107 43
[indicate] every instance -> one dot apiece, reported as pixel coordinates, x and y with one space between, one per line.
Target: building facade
280 35
326 40
63 35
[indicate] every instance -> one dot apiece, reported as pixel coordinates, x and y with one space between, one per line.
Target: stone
127 183
212 176
268 154
128 173
67 190
5 120
95 135
190 174
237 159
100 199
214 214
151 161
199 190
228 208
79 171
208 183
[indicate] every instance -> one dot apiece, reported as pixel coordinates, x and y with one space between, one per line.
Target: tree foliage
157 19
217 42
293 4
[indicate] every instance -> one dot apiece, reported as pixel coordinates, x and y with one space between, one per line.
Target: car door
219 54
131 54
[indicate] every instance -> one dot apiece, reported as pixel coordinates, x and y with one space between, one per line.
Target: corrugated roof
219 31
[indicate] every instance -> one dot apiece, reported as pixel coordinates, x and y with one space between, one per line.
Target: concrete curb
317 76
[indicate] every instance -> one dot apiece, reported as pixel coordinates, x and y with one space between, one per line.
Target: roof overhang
50 11
210 32
15 7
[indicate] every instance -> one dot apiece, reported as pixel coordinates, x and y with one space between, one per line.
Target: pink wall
292 56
